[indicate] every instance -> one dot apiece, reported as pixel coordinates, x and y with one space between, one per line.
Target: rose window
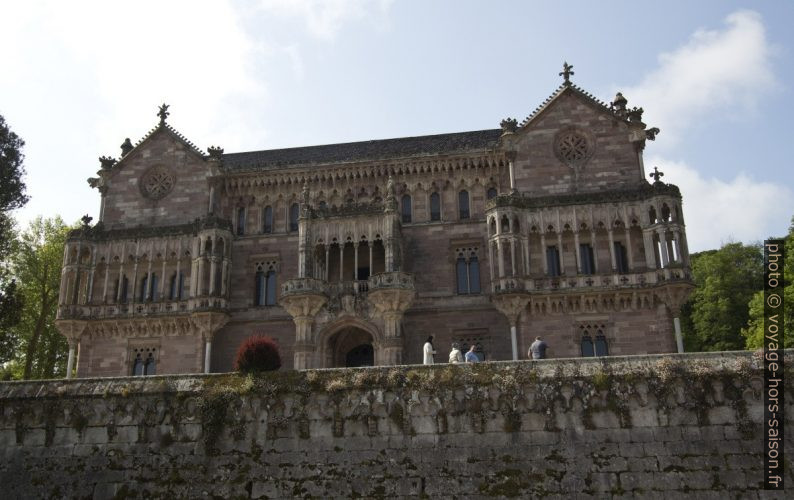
573 147
157 183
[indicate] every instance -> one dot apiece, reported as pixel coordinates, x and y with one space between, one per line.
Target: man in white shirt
429 351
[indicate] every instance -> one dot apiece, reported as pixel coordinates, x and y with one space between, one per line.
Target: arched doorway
350 347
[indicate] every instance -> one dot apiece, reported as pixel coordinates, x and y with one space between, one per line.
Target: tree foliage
754 333
36 262
726 280
12 196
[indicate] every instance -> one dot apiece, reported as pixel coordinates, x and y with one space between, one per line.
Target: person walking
471 355
538 349
455 356
429 351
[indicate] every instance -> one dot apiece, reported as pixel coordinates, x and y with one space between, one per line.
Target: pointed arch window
144 285
144 361
491 193
467 272
463 205
405 208
265 285
601 347
137 364
150 365
587 346
294 212
270 287
259 288
267 220
435 207
241 221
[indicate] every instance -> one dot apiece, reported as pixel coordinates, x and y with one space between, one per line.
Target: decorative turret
215 152
107 162
509 125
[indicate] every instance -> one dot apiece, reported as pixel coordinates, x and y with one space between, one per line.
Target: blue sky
716 77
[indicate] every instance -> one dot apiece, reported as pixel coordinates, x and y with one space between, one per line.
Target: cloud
325 18
715 71
716 212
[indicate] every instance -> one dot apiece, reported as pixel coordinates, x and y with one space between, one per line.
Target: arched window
601 348
150 367
435 207
294 211
652 215
406 208
270 287
144 283
259 288
322 205
267 220
553 260
180 292
491 193
137 365
463 205
665 212
467 272
241 221
125 286
153 288
463 275
587 346
505 224
474 274
172 287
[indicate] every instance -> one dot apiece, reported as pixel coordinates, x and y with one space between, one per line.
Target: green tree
12 196
36 263
754 333
725 280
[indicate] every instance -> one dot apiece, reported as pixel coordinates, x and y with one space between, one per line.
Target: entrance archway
349 347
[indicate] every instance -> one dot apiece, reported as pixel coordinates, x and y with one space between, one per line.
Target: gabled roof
428 145
576 90
168 129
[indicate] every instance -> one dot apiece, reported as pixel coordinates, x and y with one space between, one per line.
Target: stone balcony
392 280
142 309
579 283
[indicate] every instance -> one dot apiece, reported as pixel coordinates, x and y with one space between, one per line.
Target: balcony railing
156 308
395 279
588 282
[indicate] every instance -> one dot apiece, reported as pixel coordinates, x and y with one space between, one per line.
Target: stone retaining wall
636 426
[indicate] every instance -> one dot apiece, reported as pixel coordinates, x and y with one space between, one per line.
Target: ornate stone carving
157 183
573 146
566 73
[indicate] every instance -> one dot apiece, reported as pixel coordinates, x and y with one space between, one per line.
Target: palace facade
352 254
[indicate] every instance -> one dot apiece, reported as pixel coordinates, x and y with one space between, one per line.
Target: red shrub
257 354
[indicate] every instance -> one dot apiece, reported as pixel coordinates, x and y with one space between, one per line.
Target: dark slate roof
460 142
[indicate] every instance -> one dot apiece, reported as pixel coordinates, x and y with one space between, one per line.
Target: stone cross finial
566 72
163 113
656 174
86 219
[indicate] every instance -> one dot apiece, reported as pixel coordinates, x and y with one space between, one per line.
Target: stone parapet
673 425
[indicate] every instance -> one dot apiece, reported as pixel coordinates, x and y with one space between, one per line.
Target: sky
715 76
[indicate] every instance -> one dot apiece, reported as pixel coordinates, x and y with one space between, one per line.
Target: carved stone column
73 330
511 305
208 324
391 294
303 298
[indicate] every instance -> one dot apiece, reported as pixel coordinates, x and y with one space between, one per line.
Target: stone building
352 254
